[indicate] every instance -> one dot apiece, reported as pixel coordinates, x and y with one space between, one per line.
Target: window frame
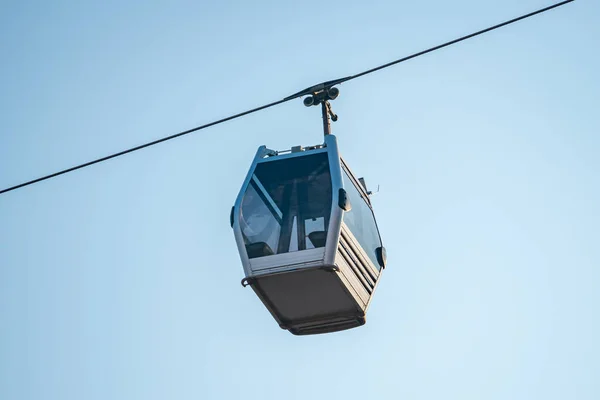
365 197
254 181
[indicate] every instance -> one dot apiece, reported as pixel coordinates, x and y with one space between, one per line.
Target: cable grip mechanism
322 97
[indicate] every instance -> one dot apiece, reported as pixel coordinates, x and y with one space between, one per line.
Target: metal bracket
370 193
330 268
248 281
266 152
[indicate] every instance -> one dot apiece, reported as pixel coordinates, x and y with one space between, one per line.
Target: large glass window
287 206
360 221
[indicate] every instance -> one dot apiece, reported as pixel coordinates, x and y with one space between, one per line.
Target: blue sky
121 281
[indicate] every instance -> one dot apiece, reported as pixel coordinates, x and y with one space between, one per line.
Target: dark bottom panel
309 301
331 325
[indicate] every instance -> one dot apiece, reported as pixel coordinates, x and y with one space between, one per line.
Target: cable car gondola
307 235
303 223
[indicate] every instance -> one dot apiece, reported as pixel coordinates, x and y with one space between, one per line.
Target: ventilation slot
359 269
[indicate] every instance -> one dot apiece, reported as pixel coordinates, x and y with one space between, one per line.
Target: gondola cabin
308 239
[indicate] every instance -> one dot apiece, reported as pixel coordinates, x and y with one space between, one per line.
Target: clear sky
122 281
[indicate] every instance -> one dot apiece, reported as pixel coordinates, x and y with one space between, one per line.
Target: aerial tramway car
307 236
304 224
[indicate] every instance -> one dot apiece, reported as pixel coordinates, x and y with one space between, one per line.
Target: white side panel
359 252
295 260
374 289
357 248
335 219
356 288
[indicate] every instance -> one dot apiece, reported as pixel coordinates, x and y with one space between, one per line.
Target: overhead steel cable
472 35
307 91
131 150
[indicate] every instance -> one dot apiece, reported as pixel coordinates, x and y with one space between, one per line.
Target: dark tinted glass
287 206
361 221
